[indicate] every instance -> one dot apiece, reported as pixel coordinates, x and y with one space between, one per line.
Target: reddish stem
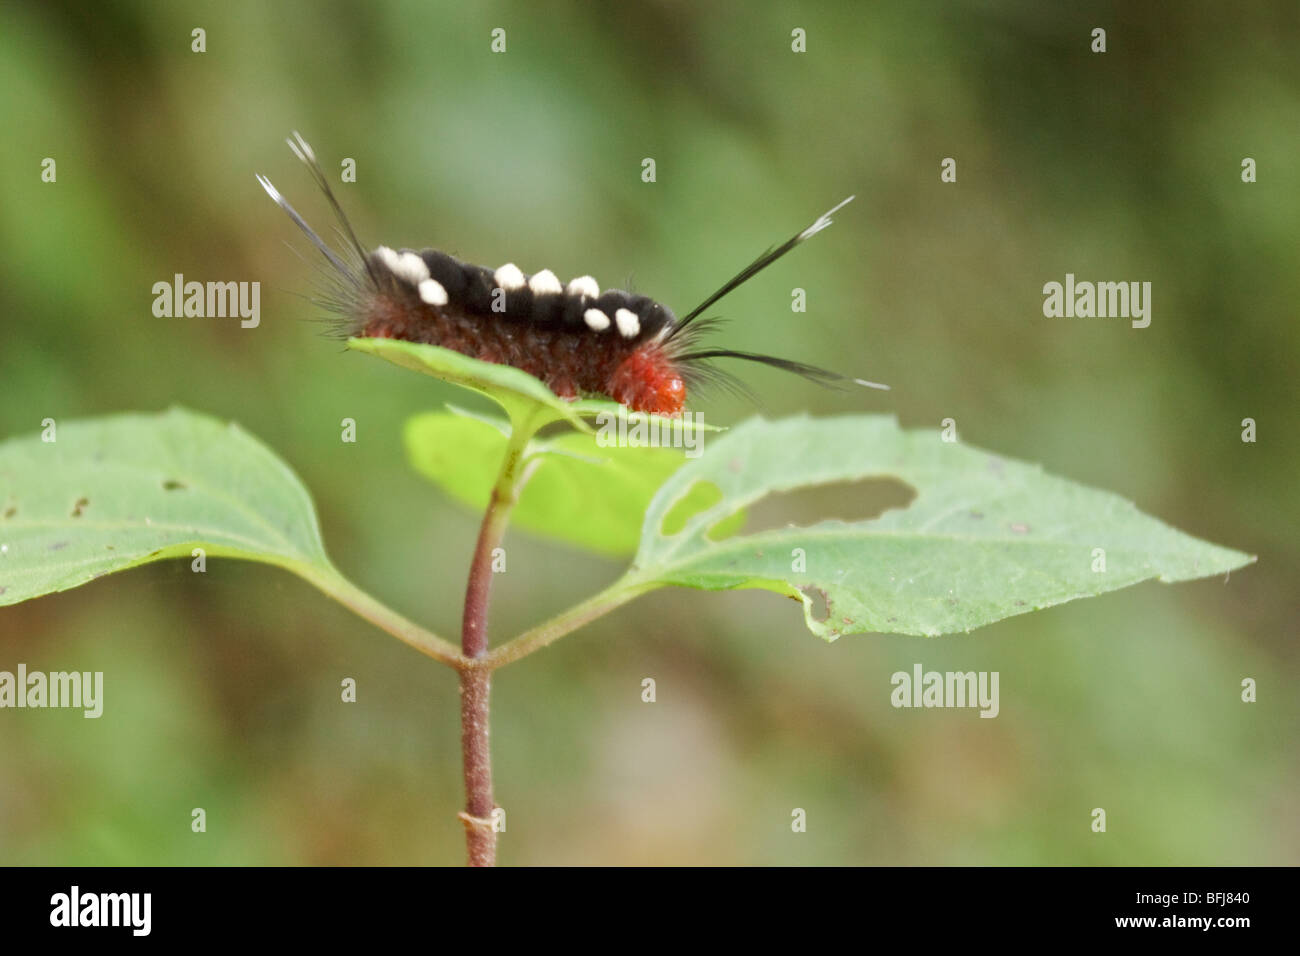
476 683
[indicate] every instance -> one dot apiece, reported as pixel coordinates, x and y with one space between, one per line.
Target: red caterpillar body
577 339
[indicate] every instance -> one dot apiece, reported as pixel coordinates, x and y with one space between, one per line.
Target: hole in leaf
821 604
844 500
701 496
171 484
729 526
79 507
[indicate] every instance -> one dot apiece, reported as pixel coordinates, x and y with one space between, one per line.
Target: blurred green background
222 690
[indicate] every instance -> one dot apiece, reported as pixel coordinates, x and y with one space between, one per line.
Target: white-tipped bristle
833 210
270 190
823 220
302 148
863 382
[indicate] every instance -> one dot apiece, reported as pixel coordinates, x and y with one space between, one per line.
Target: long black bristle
301 223
761 263
813 373
302 149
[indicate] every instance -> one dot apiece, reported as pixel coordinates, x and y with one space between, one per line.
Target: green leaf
985 538
579 491
113 493
525 399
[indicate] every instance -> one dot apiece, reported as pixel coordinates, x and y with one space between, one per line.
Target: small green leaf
526 400
579 491
113 493
985 538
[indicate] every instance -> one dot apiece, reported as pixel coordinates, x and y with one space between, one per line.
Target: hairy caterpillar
575 338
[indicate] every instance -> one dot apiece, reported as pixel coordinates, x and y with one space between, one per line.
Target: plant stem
385 618
474 662
480 837
616 595
476 681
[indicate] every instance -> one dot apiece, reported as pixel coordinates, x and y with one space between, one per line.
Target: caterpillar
576 338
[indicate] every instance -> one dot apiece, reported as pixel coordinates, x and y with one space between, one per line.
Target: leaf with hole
986 537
